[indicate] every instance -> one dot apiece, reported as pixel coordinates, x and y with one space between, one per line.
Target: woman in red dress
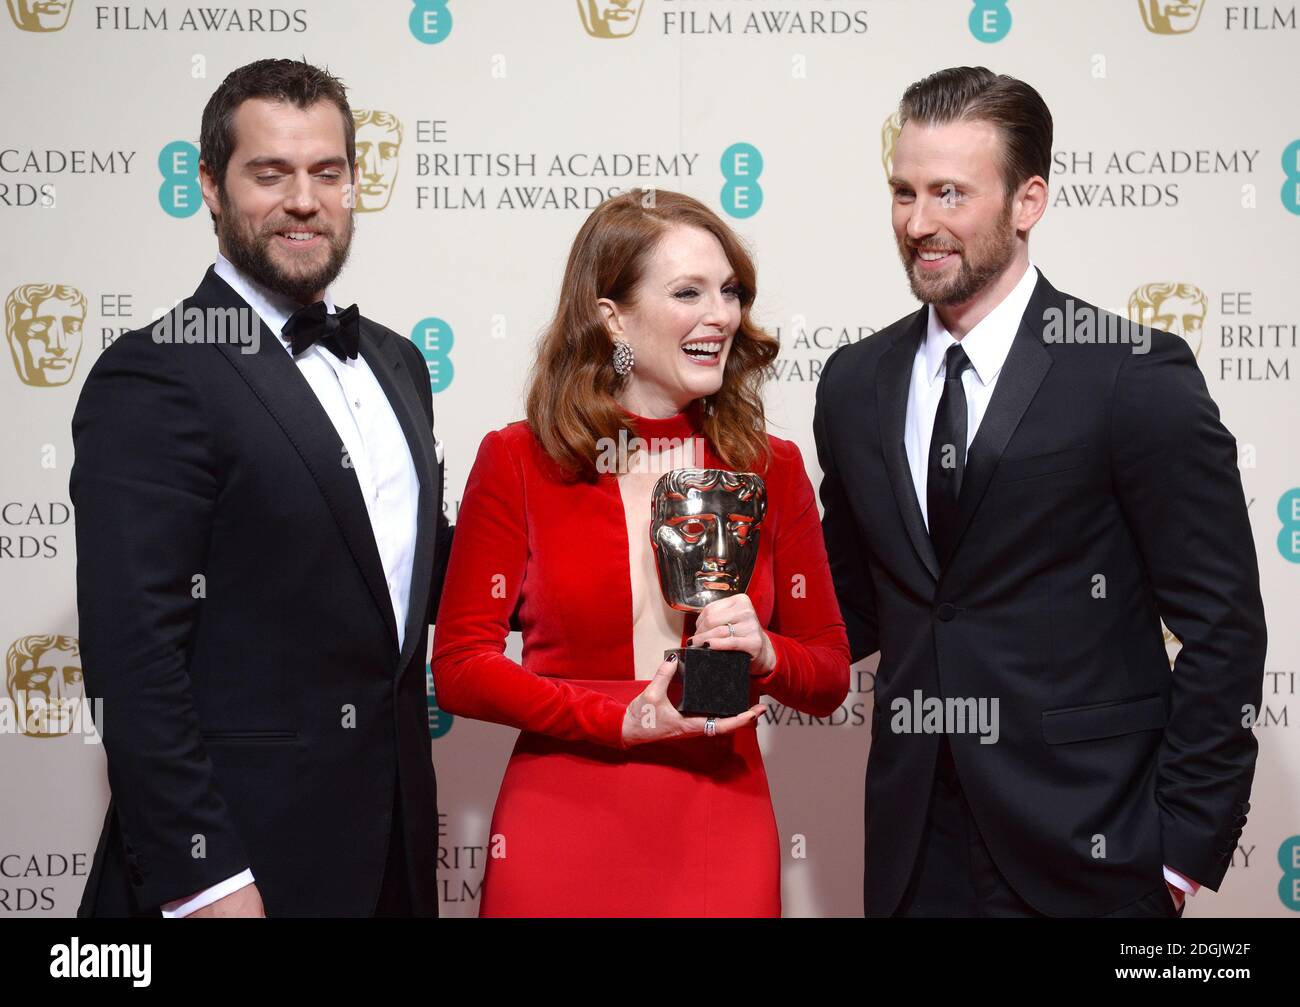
613 803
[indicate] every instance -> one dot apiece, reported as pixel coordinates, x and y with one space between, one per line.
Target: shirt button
357 403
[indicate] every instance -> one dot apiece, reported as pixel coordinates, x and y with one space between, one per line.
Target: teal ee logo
439 722
179 193
1291 168
1288 857
430 21
434 338
742 196
990 20
1288 539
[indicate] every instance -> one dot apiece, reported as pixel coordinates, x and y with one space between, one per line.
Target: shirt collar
274 309
989 342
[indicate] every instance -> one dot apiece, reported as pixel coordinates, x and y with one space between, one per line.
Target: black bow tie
340 333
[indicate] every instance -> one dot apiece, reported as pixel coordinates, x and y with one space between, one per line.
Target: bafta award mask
704 527
1171 17
43 323
610 18
378 142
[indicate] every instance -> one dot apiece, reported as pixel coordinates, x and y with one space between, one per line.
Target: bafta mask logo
888 138
43 323
379 139
40 15
1169 17
43 678
704 526
1174 307
610 18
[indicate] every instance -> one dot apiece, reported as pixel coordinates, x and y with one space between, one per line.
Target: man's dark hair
286 80
974 93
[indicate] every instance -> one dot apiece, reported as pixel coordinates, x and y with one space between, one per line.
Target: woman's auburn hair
571 403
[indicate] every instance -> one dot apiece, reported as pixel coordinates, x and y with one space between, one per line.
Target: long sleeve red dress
584 826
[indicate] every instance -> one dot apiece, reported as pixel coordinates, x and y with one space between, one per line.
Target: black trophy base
714 683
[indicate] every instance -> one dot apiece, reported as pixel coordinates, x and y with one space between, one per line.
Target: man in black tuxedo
1018 487
260 546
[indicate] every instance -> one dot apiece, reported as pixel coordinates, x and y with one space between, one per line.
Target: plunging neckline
679 426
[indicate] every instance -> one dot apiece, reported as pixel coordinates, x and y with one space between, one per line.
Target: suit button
946 612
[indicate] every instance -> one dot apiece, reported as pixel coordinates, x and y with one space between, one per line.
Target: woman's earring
623 358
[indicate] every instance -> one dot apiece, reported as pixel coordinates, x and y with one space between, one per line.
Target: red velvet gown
589 827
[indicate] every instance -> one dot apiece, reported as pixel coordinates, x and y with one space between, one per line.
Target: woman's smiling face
680 323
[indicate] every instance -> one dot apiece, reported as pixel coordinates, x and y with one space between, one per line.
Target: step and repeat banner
486 131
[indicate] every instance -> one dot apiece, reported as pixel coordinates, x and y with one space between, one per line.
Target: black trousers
955 875
395 891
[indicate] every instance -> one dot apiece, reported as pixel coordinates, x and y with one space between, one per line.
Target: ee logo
439 720
990 20
179 193
434 338
742 196
1288 539
1288 857
430 21
1291 187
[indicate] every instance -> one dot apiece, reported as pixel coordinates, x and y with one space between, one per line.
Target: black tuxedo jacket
1101 493
236 623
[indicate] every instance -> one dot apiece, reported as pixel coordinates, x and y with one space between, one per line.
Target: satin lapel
893 377
286 395
385 360
1025 368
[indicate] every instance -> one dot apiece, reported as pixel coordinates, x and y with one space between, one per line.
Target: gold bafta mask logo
40 15
610 18
43 679
1170 17
888 138
379 139
43 323
1174 307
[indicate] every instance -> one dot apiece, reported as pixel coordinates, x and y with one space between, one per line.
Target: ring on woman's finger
711 727
731 630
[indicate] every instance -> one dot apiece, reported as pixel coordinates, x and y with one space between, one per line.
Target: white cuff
1178 881
183 907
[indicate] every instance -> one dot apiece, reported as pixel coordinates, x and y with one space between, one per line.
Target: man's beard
250 253
980 264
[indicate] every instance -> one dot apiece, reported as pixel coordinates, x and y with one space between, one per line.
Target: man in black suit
1018 487
260 548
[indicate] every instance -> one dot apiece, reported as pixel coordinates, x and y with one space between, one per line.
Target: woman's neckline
683 424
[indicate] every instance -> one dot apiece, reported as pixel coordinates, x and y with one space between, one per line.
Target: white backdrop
1176 162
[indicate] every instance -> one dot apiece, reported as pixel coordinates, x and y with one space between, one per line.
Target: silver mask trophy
704 526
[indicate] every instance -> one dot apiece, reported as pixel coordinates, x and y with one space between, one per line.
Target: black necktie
947 456
340 333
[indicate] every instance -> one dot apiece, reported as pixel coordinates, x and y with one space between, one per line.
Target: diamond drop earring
623 358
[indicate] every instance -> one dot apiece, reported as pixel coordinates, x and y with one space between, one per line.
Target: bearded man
260 544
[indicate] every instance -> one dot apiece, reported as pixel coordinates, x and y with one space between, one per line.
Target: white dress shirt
987 345
377 452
